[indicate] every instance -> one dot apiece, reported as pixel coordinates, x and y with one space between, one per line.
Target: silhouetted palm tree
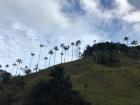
19 61
134 43
79 52
51 53
36 68
78 43
66 48
62 56
62 48
14 65
126 38
45 59
41 46
72 45
21 70
55 49
7 66
32 55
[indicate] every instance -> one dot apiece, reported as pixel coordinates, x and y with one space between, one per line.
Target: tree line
17 69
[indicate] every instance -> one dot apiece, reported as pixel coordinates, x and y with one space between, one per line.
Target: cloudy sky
24 24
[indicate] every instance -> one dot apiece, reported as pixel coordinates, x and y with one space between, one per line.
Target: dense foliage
109 52
56 91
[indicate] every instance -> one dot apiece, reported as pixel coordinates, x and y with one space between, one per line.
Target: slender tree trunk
127 42
68 56
79 53
12 70
39 58
50 60
54 57
30 63
61 58
65 57
17 68
72 54
45 64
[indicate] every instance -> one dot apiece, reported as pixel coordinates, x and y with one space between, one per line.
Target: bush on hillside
56 91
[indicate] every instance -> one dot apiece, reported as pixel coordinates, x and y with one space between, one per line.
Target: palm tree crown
134 42
126 38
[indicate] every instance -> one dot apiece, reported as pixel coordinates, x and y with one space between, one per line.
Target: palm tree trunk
72 54
50 60
45 64
17 69
61 58
54 57
68 56
12 70
65 57
39 58
30 63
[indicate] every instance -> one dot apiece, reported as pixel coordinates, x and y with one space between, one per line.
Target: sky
25 24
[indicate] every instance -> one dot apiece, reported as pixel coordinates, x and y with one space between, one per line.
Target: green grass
107 85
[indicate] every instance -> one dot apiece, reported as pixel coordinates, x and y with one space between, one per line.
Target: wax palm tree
41 46
78 43
19 61
36 68
45 59
72 45
134 43
94 41
79 52
62 48
126 38
51 53
62 56
66 48
32 55
14 65
55 49
21 70
26 70
7 66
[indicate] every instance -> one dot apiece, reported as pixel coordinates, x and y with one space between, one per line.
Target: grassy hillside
99 84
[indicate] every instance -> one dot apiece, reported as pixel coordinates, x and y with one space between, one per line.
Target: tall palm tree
55 49
45 59
7 66
78 43
32 55
126 38
51 53
66 48
41 46
62 57
21 70
14 65
62 46
19 61
36 68
134 43
79 52
62 53
72 45
94 41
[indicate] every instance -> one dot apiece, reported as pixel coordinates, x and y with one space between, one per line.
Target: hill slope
100 84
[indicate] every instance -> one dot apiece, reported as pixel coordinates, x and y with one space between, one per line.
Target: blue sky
24 24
